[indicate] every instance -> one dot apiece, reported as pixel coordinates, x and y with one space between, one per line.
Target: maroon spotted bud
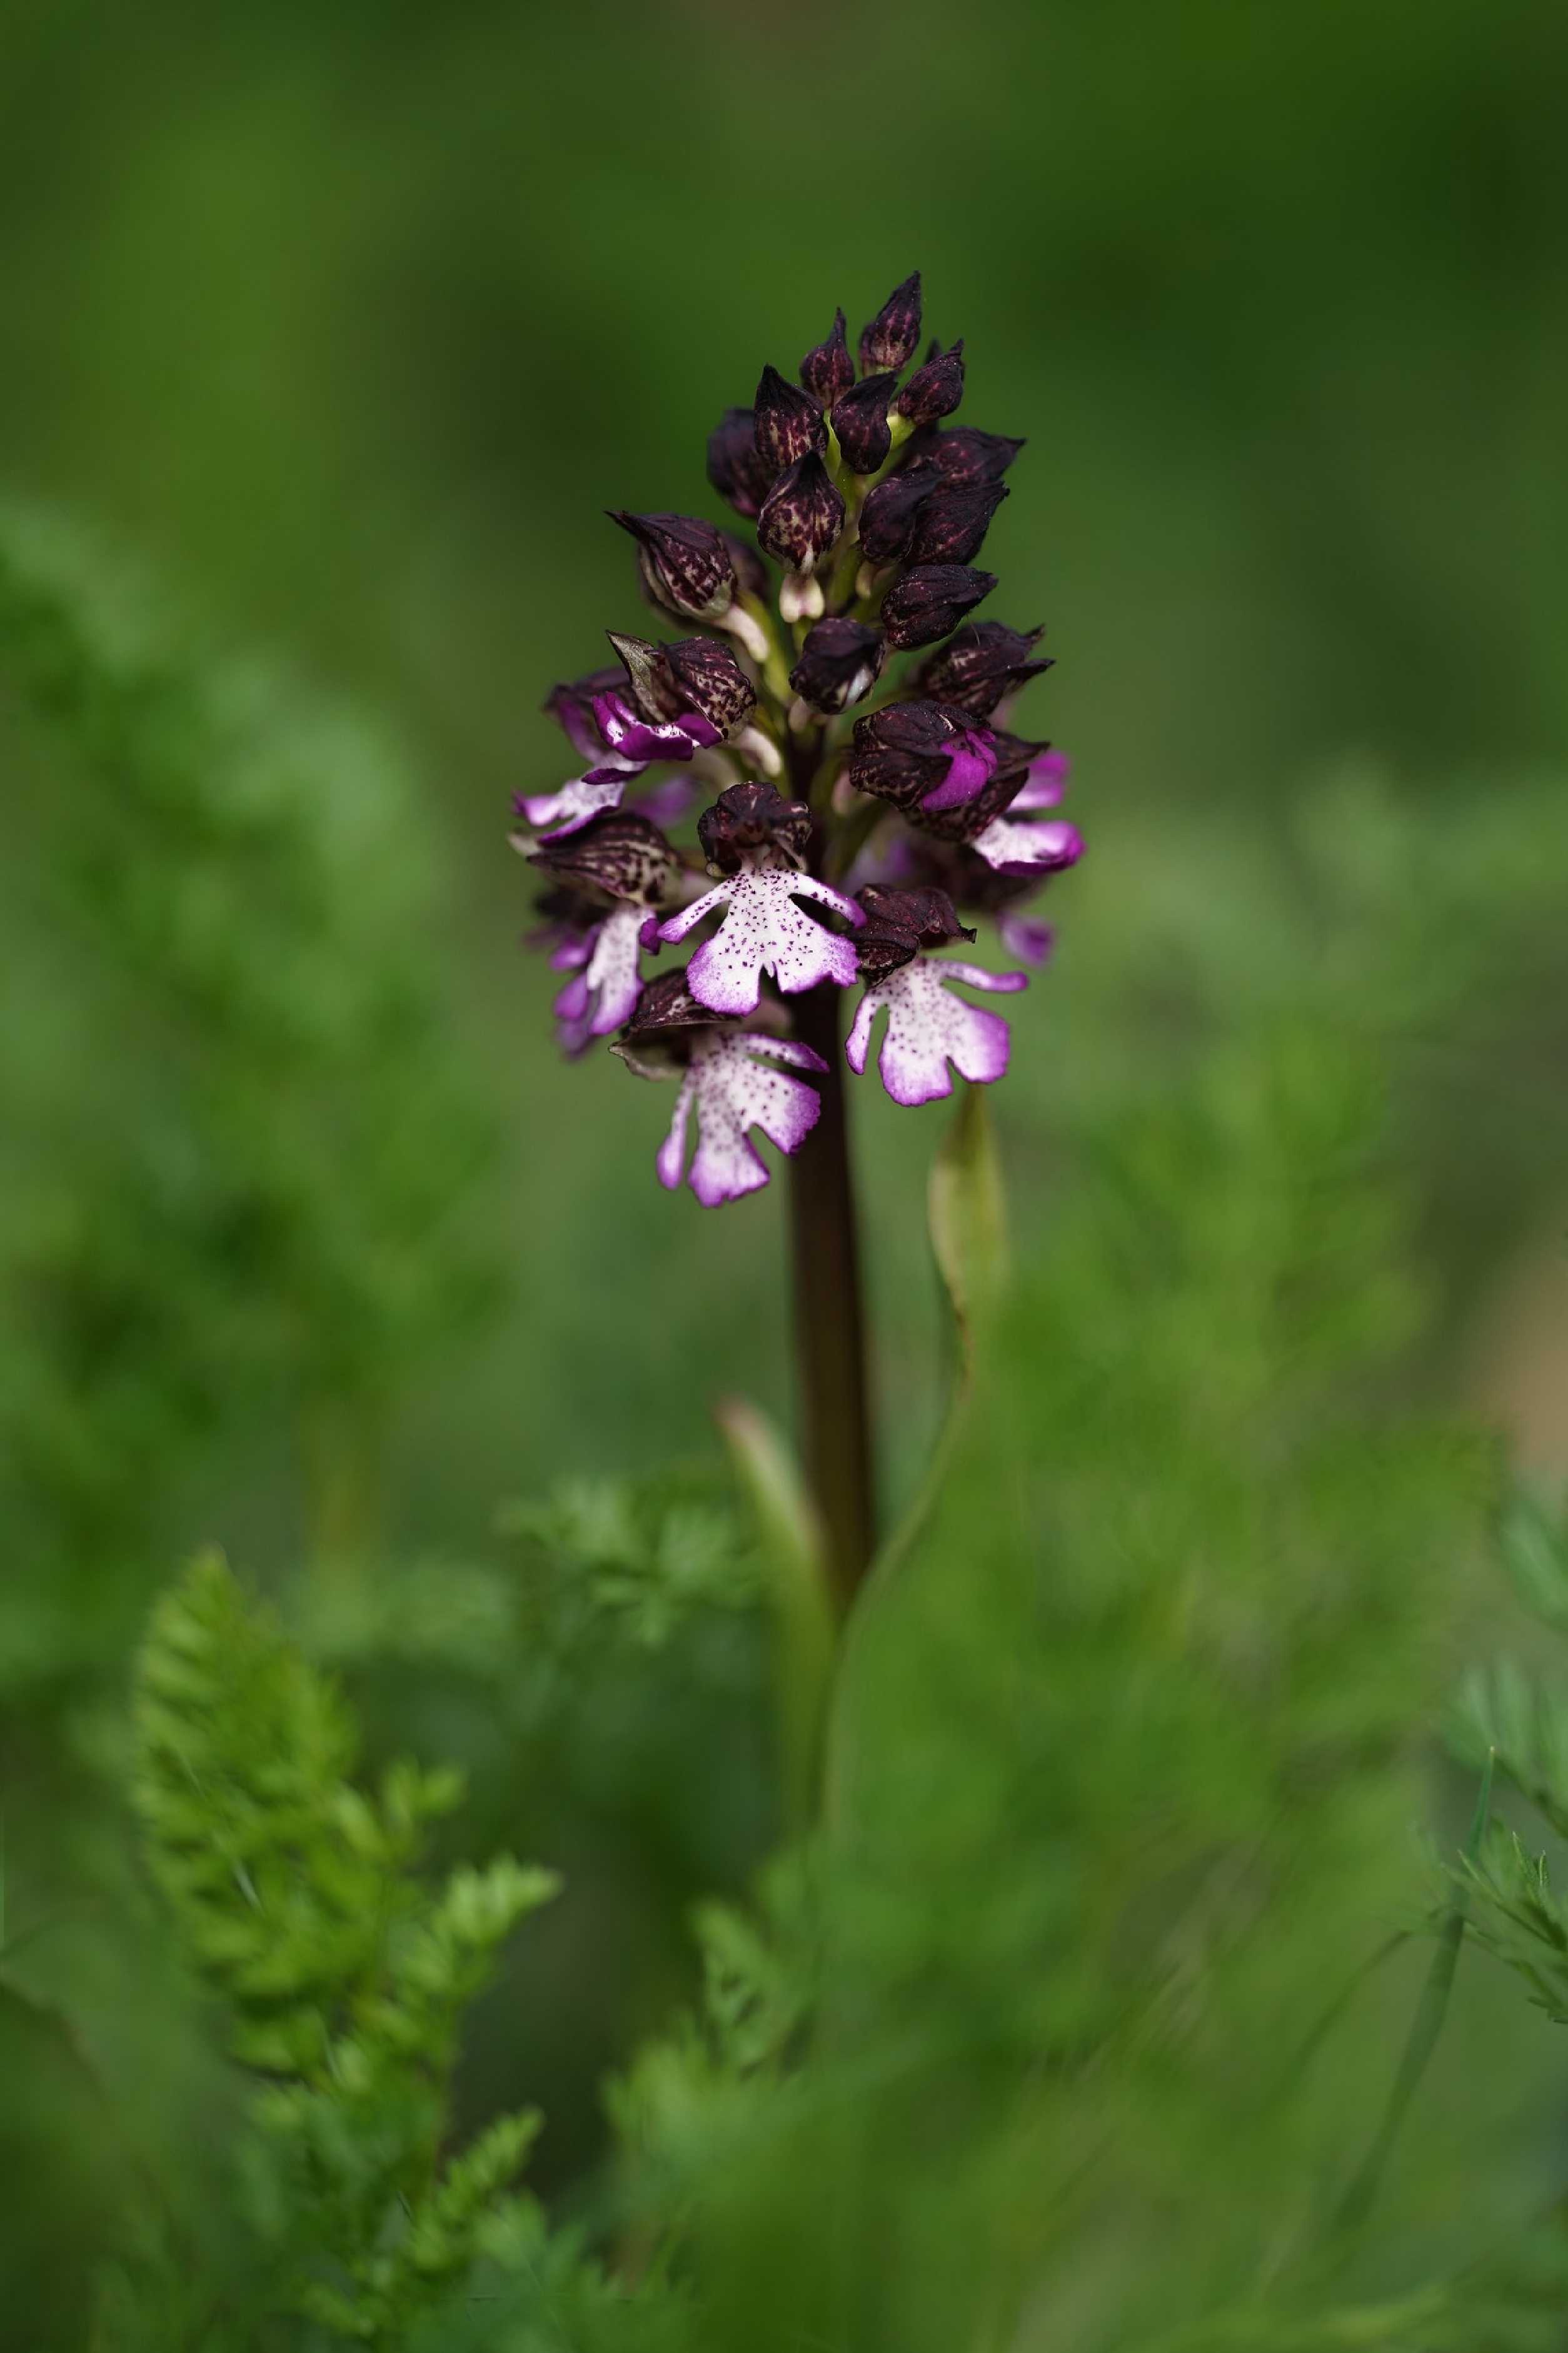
889 516
697 674
839 663
753 824
900 924
908 752
828 372
803 515
685 563
789 423
953 521
861 421
890 339
666 1023
711 680
924 605
935 389
965 455
735 467
981 665
620 855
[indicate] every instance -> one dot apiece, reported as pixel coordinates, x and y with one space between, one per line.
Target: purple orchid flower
733 1090
754 840
927 1028
729 1076
633 743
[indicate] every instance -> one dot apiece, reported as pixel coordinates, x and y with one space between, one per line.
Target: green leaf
794 1564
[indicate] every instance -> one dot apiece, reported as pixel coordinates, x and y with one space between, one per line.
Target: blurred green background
347 322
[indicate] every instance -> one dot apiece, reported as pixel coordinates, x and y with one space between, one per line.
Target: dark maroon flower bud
751 825
887 518
667 1003
685 563
711 680
839 662
861 421
890 339
828 371
965 455
900 924
935 389
789 423
924 605
623 854
735 468
910 751
698 674
982 664
802 516
953 521
752 577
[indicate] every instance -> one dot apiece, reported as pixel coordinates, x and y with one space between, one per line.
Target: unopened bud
887 518
753 824
924 605
789 423
890 339
685 563
981 665
839 664
953 521
828 371
623 854
803 515
965 455
935 389
861 421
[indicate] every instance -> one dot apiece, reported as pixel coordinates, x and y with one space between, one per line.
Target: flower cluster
851 819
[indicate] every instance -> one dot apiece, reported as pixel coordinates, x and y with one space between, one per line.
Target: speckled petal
765 931
734 1091
928 1029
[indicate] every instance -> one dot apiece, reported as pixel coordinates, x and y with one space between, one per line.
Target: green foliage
1121 1767
246 1135
1518 1912
344 1980
640 1556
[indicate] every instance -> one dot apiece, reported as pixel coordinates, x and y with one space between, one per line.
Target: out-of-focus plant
240 1140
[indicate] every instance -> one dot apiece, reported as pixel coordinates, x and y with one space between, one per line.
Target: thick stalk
829 1316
